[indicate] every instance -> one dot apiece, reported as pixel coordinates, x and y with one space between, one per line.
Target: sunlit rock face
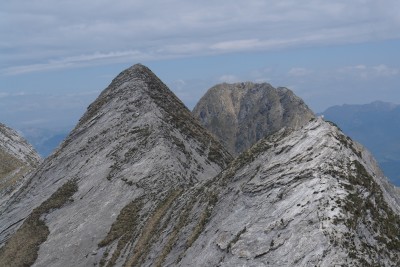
309 197
240 114
132 154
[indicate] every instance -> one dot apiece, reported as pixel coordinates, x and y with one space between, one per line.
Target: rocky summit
139 182
104 197
17 160
240 114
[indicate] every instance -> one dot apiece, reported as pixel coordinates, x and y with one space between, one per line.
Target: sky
57 56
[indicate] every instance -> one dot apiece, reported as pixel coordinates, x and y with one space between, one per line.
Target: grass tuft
22 248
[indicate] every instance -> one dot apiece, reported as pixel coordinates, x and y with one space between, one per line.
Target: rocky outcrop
240 114
17 160
104 197
310 197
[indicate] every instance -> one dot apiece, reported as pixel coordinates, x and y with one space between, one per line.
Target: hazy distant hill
375 125
45 141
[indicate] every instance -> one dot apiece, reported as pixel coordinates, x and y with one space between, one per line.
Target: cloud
68 62
68 34
383 70
228 78
355 68
299 72
178 84
369 72
236 45
44 110
4 94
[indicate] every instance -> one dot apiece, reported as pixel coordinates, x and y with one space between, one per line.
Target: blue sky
57 56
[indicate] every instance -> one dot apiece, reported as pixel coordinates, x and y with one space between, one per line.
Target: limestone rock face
105 194
17 160
310 197
139 182
240 114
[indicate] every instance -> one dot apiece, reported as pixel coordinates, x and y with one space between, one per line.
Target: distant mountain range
45 141
376 126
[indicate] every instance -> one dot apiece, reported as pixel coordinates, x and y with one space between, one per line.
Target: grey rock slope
104 197
139 182
17 160
310 197
375 125
240 114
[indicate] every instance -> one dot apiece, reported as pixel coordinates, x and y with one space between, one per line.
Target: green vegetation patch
150 228
123 229
348 143
387 231
204 218
8 164
11 170
22 248
173 237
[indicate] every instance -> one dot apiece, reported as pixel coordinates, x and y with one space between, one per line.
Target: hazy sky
56 56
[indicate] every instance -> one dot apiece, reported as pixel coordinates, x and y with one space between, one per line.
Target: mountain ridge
17 160
375 125
127 155
139 182
279 206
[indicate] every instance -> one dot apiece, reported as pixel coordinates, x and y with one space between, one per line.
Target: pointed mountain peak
136 80
135 72
139 94
135 151
136 76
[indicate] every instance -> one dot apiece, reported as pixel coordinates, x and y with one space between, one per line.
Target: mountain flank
104 197
240 114
306 197
17 160
139 182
